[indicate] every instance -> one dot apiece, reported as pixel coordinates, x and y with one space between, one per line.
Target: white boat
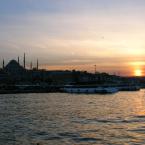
90 90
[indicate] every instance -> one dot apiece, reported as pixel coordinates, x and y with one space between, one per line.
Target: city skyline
76 34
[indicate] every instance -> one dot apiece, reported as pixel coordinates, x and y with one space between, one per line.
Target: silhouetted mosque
14 68
16 72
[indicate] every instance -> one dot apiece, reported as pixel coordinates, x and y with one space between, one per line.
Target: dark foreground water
66 119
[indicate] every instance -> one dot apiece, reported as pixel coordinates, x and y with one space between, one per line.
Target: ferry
90 90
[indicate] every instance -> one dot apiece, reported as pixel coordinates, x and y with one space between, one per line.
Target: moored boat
90 90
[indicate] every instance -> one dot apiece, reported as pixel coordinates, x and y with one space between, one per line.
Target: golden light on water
138 72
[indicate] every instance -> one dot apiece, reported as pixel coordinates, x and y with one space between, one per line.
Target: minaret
18 60
37 64
3 63
24 61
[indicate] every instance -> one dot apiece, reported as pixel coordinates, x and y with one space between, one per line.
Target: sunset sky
75 34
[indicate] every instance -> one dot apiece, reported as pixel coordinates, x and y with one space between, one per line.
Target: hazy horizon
75 34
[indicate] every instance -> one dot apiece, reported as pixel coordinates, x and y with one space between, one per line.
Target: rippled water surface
70 119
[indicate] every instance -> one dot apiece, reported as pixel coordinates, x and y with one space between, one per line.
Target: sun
138 72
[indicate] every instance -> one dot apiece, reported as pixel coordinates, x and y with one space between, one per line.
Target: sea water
71 119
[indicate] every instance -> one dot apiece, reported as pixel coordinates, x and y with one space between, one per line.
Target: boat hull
91 90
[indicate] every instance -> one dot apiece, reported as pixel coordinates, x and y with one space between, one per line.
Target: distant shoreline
64 89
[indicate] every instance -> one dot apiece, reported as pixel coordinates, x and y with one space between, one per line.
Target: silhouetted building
15 73
15 70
